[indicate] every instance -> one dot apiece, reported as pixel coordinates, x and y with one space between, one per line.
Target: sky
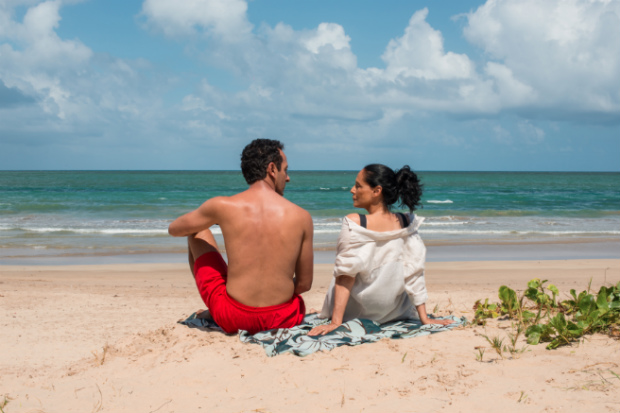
440 85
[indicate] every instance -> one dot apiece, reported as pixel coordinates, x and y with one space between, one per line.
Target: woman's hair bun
409 186
402 184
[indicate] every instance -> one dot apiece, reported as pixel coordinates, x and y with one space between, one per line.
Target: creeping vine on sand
4 402
539 313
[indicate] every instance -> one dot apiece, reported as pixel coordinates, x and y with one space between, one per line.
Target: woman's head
380 183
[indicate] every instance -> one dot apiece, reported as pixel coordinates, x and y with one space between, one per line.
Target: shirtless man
269 245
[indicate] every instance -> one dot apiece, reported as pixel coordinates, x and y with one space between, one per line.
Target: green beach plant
4 402
514 339
484 311
496 344
587 314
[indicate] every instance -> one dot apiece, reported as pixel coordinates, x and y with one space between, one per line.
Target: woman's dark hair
257 155
402 184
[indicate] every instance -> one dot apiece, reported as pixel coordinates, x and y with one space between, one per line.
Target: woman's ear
377 190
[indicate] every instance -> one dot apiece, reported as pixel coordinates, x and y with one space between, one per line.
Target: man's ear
271 169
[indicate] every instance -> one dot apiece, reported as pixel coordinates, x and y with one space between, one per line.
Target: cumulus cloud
420 53
225 19
311 74
58 92
327 34
560 55
541 60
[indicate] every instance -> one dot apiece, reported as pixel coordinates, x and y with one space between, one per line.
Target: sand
104 338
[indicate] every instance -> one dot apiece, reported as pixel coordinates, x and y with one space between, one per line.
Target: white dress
388 268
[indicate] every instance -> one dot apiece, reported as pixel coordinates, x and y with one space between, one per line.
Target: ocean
113 213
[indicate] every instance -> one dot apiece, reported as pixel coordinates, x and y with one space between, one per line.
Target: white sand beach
105 338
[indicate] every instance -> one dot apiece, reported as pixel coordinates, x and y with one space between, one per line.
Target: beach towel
296 340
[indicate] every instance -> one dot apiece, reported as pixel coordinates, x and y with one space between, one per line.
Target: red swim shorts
211 272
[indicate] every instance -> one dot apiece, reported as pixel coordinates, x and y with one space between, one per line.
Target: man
268 241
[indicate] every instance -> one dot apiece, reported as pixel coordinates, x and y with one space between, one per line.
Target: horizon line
296 170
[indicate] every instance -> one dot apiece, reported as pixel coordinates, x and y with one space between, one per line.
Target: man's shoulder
296 210
217 201
253 198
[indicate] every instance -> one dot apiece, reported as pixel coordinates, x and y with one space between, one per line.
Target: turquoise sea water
118 212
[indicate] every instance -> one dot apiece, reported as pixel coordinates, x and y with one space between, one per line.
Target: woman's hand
425 320
323 329
440 322
342 291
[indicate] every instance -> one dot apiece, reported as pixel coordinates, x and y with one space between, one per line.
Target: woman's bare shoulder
354 218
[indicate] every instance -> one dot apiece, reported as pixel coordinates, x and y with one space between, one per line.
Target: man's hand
324 329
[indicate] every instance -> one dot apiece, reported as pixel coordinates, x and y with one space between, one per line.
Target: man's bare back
263 235
268 240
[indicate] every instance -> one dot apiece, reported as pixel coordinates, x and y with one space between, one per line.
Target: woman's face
362 192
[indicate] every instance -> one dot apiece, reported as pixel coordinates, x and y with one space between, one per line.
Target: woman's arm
424 317
342 291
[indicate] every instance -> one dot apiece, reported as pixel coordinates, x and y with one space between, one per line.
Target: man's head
256 158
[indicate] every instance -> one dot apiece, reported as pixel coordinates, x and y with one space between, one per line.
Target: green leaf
574 330
528 315
533 334
508 298
593 317
587 305
535 283
559 323
601 300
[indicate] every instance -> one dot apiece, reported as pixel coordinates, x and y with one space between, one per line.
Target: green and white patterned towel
352 333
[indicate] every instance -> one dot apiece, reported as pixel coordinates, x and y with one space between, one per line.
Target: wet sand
436 251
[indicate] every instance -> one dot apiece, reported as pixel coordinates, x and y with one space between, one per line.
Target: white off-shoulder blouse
388 268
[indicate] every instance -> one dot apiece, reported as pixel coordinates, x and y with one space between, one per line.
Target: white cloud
42 58
327 34
74 94
314 72
551 59
420 53
561 55
225 19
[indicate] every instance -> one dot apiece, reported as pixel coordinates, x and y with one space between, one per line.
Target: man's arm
304 268
193 222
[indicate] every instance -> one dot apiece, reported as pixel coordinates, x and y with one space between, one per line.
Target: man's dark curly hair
257 155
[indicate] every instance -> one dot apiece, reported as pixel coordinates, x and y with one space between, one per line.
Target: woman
379 270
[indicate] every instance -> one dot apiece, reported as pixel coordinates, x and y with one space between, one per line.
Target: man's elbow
174 231
303 287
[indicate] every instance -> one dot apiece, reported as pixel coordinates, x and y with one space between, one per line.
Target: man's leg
199 244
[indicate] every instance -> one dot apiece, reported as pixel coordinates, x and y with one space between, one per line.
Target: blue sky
519 85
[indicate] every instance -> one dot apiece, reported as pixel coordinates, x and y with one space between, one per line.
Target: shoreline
436 252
